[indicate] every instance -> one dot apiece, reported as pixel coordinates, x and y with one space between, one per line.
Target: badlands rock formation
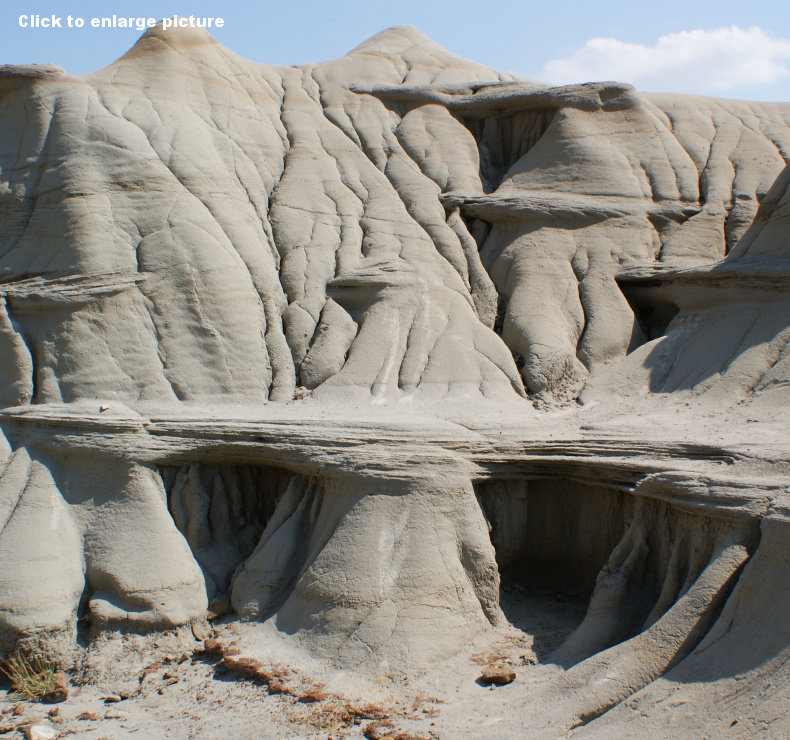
348 342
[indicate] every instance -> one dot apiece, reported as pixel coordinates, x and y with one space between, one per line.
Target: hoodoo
381 351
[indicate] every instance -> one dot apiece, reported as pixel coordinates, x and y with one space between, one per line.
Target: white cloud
701 62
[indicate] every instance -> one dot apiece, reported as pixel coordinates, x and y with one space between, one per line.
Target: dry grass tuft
32 678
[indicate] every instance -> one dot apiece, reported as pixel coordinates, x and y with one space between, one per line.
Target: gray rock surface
344 342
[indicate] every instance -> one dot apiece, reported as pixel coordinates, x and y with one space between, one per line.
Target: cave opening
586 565
652 309
504 139
222 510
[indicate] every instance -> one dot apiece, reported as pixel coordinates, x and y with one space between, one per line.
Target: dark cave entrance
579 554
222 511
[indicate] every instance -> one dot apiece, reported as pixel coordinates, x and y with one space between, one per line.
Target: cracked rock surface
362 347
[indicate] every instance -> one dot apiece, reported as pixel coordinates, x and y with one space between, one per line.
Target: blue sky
726 48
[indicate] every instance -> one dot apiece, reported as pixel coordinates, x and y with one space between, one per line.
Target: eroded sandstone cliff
344 341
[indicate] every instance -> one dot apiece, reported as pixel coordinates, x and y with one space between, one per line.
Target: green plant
31 677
